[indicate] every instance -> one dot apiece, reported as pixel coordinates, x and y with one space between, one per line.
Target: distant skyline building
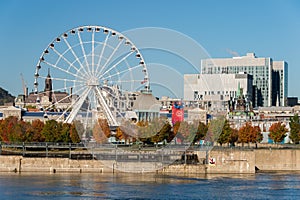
270 78
280 83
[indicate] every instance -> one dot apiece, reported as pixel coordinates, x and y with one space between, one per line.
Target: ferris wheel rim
81 29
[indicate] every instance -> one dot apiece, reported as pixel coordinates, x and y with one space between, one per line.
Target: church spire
49 73
48 86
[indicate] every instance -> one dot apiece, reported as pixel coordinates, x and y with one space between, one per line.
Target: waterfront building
270 78
146 106
214 91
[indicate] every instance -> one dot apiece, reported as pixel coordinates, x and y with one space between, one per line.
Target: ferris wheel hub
93 81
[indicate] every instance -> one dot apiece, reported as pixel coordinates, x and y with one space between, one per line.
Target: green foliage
295 129
52 131
74 136
163 134
201 131
226 133
215 129
14 130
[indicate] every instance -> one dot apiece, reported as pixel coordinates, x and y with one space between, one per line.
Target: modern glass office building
269 77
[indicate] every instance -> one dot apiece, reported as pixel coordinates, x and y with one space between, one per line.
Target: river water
148 186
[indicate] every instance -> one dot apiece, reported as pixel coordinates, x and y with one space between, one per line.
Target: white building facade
213 91
261 69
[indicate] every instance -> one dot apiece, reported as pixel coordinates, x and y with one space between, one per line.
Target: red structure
177 112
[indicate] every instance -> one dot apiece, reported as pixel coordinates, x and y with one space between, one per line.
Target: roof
146 102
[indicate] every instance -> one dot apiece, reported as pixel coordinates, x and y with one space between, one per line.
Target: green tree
189 132
65 133
51 131
277 132
215 128
163 133
226 132
74 136
295 129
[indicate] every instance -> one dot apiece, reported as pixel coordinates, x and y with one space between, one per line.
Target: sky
269 28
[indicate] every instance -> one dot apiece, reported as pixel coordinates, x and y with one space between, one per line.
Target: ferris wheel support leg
111 119
77 106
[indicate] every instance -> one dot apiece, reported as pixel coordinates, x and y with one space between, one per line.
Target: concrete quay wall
277 159
231 161
52 165
221 161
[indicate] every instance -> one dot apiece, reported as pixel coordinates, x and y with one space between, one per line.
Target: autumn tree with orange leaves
249 133
277 132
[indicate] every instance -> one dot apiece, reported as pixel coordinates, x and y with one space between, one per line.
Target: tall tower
48 86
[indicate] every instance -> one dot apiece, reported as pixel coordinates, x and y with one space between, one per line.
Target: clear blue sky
269 28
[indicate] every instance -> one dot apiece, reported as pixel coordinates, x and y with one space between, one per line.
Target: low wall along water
219 161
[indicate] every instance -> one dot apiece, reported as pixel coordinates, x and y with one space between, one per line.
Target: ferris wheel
88 70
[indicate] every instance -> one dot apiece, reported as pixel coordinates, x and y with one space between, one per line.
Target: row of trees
218 130
14 130
158 130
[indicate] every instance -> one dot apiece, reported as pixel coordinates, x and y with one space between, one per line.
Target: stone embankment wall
277 159
221 161
52 165
232 161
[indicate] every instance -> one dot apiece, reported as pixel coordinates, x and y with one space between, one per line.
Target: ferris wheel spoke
61 55
93 52
101 54
85 74
67 109
63 79
110 57
116 64
117 97
83 52
107 111
63 70
131 76
86 120
77 105
118 73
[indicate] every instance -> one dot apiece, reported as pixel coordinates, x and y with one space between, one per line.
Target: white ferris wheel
96 68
